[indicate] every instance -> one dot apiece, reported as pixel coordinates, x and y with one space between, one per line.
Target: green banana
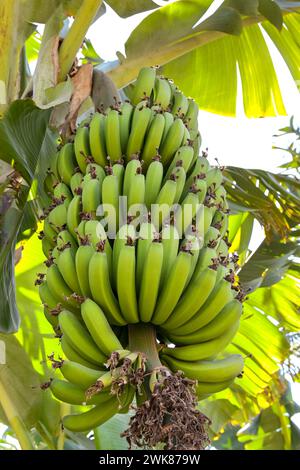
144 85
132 167
79 338
99 328
172 288
180 105
70 393
125 117
162 93
170 243
125 232
219 297
64 238
112 135
91 196
161 210
214 178
97 139
76 183
59 289
47 297
73 215
150 281
91 419
47 246
172 141
82 260
146 235
82 147
153 180
101 288
183 157
80 375
153 139
62 191
197 352
169 119
72 355
67 268
126 286
110 197
192 299
136 195
118 171
211 371
138 131
180 177
191 116
49 232
66 163
58 217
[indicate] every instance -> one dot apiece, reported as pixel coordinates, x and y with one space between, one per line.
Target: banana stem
76 35
65 409
15 420
142 338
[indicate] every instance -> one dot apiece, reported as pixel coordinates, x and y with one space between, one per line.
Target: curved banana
136 195
91 419
101 288
99 328
66 163
192 300
146 235
161 210
214 178
79 338
211 371
150 281
197 352
47 297
218 298
80 375
125 232
73 215
191 116
183 157
64 238
70 393
112 135
82 147
73 356
110 197
162 93
138 131
170 243
180 105
76 182
67 268
132 167
58 217
172 288
126 283
91 196
153 180
97 139
125 116
82 260
153 139
172 141
180 177
59 288
118 171
144 84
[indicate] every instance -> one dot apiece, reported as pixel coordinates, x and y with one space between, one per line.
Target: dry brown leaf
82 86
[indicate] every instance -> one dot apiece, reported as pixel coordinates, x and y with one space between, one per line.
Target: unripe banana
112 135
184 156
80 375
219 297
49 232
76 182
101 288
110 197
118 171
229 315
153 139
172 288
64 238
73 215
47 246
169 119
66 163
70 393
91 196
147 233
91 419
132 167
125 232
99 328
136 195
161 210
62 191
73 356
153 181
58 217
192 300
172 141
191 116
97 139
150 281
138 132
82 260
170 242
144 85
79 338
180 177
214 178
82 147
47 297
125 117
126 284
66 266
162 93
197 352
211 371
180 105
59 288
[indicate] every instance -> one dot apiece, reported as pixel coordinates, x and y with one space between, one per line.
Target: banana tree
64 87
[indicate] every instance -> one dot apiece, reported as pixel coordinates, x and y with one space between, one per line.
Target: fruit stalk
142 338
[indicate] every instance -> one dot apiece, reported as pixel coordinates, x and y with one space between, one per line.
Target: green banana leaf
25 142
176 38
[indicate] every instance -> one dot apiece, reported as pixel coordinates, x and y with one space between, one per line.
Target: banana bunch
136 233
